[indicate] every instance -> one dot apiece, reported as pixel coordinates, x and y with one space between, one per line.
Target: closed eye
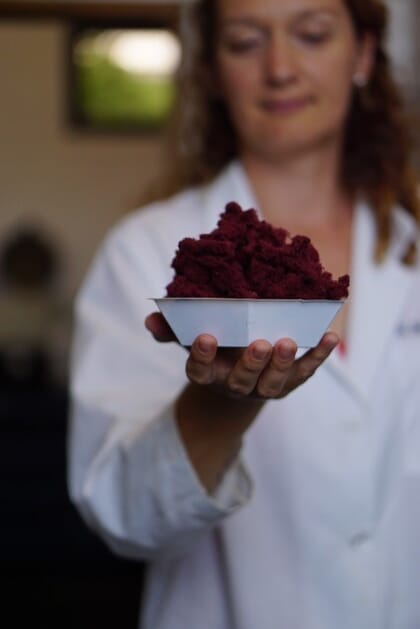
242 46
314 38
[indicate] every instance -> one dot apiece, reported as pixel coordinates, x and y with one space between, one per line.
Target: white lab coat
317 525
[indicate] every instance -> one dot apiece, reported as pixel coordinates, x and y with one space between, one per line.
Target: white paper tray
238 322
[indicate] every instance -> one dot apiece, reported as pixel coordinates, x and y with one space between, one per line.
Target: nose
280 61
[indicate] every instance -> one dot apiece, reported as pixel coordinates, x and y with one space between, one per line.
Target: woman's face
285 69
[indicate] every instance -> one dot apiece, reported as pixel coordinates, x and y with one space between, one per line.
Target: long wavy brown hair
378 146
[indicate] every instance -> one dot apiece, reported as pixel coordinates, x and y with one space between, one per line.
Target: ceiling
31 9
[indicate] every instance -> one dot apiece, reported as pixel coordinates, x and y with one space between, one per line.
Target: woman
266 490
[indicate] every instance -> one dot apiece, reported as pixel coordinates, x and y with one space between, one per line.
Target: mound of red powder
245 257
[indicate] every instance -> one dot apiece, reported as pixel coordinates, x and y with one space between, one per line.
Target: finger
274 377
157 325
200 367
306 366
245 373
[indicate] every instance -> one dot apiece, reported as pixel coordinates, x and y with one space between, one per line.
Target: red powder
248 258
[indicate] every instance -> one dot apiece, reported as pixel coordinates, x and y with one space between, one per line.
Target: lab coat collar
377 291
231 185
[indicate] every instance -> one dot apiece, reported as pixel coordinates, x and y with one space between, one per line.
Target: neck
301 194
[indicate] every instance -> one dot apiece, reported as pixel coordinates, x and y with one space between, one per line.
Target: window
123 77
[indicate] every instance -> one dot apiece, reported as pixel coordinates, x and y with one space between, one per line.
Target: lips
289 105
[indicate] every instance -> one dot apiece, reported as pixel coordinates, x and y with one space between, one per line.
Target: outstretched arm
228 388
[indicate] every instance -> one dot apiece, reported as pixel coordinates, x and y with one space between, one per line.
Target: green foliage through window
110 95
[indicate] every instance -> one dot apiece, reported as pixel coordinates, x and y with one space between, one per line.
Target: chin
283 146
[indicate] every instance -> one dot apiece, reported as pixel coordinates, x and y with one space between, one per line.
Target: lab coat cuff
233 491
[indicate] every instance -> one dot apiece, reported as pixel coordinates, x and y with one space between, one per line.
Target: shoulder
146 239
404 225
186 213
140 247
144 223
136 254
405 231
162 224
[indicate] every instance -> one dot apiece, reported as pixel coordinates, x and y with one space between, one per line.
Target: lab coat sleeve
128 472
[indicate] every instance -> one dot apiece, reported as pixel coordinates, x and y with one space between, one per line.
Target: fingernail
331 342
259 353
285 352
204 347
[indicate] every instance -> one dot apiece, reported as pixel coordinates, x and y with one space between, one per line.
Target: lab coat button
359 539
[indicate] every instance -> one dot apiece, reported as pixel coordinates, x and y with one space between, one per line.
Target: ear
365 60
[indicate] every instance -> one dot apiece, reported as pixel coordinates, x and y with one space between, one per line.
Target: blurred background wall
76 184
71 185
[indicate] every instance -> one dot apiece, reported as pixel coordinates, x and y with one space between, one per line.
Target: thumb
157 325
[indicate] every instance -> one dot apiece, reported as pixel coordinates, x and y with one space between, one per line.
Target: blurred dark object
58 573
28 366
28 260
35 312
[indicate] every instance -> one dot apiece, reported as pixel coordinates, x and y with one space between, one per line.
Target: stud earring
359 80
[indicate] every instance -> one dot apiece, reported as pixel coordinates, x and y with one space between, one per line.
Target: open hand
261 370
